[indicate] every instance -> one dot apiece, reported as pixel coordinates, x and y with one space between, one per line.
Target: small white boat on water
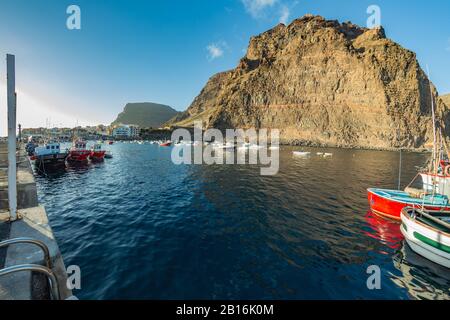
226 146
327 155
301 153
428 233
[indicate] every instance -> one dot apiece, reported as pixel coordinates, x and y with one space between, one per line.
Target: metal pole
400 170
11 89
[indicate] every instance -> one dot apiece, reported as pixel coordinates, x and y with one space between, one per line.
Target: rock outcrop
145 114
446 99
325 83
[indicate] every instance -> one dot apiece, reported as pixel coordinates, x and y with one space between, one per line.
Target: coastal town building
124 131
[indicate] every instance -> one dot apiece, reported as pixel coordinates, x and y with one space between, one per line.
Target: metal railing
46 270
54 287
35 242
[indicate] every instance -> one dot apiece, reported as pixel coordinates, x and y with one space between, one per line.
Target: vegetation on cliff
145 115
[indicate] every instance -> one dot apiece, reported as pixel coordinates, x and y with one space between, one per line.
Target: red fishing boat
389 203
166 144
78 152
97 153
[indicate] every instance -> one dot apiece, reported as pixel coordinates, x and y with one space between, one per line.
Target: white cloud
216 50
285 13
256 7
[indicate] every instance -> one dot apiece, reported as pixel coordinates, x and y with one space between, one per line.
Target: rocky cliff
323 82
446 99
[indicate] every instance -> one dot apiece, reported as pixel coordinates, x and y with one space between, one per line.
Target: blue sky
165 51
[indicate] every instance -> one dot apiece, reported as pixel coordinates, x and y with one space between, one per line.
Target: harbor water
140 227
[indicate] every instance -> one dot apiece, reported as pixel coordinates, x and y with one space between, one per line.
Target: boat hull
426 241
78 156
390 207
97 156
51 159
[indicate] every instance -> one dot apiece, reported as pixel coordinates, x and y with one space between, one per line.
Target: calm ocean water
141 227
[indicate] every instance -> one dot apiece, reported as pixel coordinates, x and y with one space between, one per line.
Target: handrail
54 285
40 244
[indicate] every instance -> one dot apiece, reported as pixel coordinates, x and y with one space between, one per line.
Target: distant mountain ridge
145 114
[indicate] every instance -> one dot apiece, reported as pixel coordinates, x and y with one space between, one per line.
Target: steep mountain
446 99
145 115
323 82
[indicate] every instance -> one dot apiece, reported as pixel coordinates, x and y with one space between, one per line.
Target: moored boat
49 154
108 155
78 153
97 153
165 144
389 203
427 233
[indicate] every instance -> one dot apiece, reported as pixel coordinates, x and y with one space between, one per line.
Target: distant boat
301 153
327 155
428 234
227 146
108 155
110 142
165 144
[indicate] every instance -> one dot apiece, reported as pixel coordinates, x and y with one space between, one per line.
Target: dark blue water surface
141 227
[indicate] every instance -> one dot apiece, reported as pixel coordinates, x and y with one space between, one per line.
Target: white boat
255 147
226 146
49 154
327 155
301 153
319 153
428 234
274 148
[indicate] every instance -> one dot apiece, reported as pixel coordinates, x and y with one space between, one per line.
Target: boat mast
433 115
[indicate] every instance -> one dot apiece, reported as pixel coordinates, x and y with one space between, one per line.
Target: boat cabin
81 145
48 148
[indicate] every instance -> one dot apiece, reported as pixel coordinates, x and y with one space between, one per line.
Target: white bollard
12 169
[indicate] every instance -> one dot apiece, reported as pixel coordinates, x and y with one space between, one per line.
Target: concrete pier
33 223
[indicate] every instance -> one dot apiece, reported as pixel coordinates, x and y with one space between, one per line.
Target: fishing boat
49 154
108 155
78 153
389 203
97 153
428 233
165 144
439 180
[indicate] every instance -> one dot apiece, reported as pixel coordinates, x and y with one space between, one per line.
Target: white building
126 131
